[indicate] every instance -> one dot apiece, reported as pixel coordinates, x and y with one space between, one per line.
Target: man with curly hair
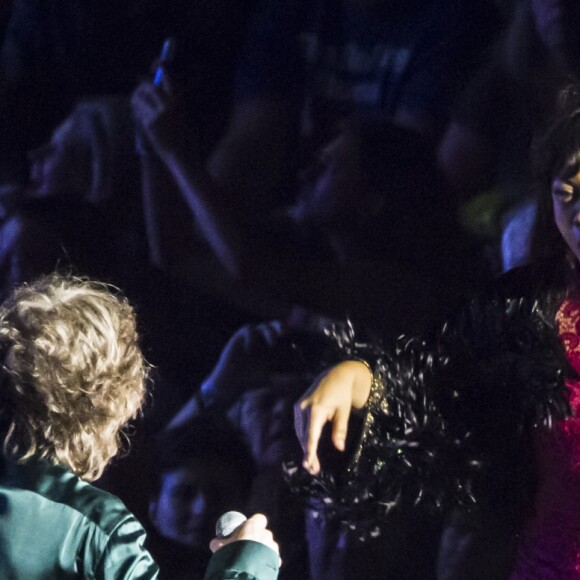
71 376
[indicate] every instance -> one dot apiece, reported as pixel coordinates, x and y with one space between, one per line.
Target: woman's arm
344 387
160 118
443 417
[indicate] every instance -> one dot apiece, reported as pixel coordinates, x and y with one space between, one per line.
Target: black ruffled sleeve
448 418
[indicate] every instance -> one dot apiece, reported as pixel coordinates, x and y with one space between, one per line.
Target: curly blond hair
72 373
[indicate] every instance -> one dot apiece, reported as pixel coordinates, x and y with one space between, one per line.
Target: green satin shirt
54 525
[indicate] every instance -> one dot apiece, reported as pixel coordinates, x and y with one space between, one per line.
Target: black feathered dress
478 418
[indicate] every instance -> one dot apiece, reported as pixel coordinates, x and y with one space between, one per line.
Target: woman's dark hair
555 153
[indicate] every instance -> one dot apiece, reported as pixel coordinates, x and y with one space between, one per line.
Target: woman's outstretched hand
340 389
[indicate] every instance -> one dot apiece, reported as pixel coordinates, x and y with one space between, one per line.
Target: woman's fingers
339 427
329 399
319 416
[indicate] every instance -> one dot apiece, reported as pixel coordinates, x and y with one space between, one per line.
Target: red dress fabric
550 544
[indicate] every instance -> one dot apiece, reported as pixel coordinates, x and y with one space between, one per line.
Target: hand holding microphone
228 523
234 526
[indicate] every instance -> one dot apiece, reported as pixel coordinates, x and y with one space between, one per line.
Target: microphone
227 523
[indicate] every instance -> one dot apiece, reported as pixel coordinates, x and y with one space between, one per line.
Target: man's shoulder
52 520
60 488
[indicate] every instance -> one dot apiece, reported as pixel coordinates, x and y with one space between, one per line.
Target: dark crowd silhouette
289 181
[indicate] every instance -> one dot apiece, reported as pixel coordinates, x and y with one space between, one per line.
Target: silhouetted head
72 373
205 469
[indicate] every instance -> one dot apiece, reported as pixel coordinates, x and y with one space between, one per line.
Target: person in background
260 374
82 209
58 52
250 396
82 186
484 154
481 418
353 217
307 66
203 469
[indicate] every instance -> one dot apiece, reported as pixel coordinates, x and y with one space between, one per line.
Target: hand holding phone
166 57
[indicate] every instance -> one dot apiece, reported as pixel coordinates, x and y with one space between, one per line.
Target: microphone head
227 523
